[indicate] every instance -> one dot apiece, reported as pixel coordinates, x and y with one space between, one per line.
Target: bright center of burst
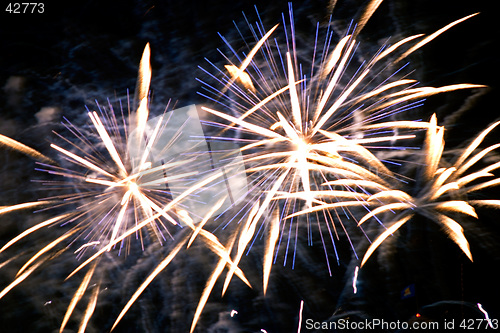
133 187
132 190
301 146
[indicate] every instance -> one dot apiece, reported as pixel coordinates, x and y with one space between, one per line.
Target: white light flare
300 315
486 315
355 280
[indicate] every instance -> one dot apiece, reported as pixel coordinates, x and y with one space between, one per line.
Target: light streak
486 315
300 315
86 245
210 284
7 209
19 279
149 279
76 298
90 309
269 249
7 142
355 280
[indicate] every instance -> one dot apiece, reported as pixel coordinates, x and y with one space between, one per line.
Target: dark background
80 51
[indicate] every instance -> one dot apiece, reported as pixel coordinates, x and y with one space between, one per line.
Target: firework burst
311 128
119 179
441 191
113 177
301 125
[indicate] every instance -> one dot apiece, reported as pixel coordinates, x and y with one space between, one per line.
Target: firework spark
117 175
441 189
214 244
9 143
300 128
120 180
306 127
486 315
355 280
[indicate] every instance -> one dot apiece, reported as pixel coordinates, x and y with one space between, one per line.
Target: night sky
53 64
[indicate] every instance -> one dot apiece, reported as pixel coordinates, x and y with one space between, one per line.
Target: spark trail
7 142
